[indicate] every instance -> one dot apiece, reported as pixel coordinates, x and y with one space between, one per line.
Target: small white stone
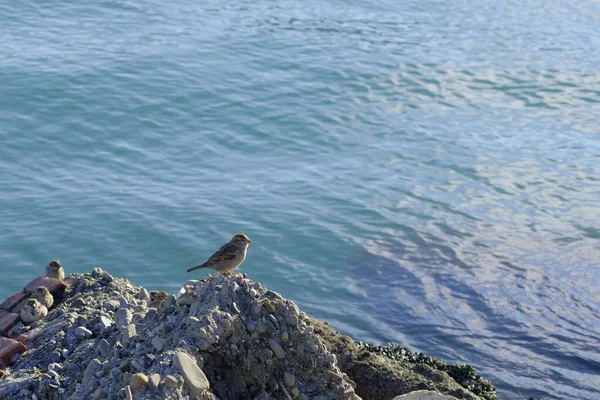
158 343
276 347
193 376
82 332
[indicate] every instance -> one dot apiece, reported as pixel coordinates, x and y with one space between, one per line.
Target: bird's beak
250 241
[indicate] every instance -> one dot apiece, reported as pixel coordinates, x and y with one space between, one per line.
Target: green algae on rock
383 372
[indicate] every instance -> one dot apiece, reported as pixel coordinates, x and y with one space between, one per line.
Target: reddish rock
22 338
7 321
8 348
19 306
53 285
13 300
2 373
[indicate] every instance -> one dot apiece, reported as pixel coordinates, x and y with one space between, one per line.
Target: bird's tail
196 267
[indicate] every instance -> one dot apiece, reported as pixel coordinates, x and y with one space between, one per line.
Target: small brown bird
229 256
33 311
55 270
42 294
156 298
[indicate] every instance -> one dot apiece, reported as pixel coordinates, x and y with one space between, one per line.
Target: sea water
420 172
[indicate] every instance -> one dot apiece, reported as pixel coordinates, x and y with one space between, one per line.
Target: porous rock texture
226 337
383 372
223 337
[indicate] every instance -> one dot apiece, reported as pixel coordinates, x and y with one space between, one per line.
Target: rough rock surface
224 337
384 372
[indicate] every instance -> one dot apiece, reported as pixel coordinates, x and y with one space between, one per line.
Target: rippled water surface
419 172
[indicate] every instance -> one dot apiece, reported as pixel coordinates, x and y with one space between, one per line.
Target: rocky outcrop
383 372
223 337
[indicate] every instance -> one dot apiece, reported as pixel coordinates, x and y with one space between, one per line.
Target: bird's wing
227 252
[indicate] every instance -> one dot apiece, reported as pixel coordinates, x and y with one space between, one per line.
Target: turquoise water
423 172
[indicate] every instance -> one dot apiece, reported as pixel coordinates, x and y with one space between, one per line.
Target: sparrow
156 298
42 294
55 270
33 311
229 256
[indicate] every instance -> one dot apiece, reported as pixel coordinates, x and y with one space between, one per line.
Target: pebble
53 374
185 299
144 295
98 394
158 343
289 379
81 287
165 306
193 376
137 365
107 277
128 394
329 374
90 371
154 381
150 315
105 323
272 383
97 272
351 382
252 293
123 316
295 391
124 367
129 333
138 381
55 356
83 333
148 360
54 367
110 305
250 325
276 347
123 303
104 348
78 302
125 378
256 307
268 306
274 321
291 319
171 382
